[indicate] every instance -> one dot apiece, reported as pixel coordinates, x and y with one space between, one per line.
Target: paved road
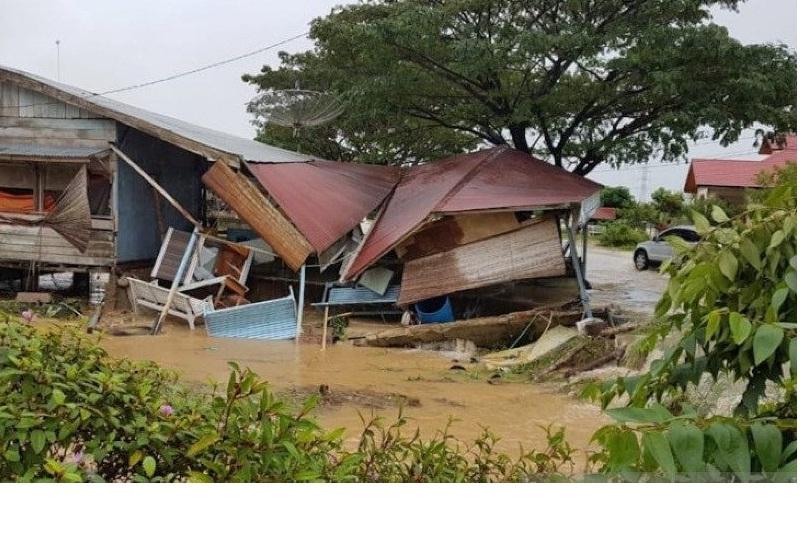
615 280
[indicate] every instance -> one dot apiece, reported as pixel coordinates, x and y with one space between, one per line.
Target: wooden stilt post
301 302
585 235
576 265
325 329
187 256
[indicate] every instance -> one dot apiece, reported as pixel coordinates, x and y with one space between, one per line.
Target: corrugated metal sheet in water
326 199
270 320
498 178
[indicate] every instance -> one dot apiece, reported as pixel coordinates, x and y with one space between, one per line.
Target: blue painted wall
177 170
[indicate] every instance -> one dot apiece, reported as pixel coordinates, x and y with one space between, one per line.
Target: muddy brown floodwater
375 380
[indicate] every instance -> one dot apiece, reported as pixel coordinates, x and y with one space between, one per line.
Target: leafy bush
620 233
71 413
732 299
616 197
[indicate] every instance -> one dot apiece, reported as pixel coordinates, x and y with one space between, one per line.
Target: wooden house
51 132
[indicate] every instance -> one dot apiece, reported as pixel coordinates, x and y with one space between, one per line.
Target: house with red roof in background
729 179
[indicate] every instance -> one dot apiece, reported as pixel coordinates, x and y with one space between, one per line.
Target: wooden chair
230 271
152 296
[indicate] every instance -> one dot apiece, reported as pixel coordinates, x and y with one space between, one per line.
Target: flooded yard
375 380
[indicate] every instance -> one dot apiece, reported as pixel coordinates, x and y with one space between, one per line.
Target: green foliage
733 301
71 413
422 78
650 444
617 197
639 215
619 233
669 205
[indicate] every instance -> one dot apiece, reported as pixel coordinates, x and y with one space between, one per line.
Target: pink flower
166 410
28 315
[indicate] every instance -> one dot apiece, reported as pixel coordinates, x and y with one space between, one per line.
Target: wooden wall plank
9 99
532 251
254 208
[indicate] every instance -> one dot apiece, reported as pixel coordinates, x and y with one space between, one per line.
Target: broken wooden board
532 251
253 207
552 339
453 231
485 332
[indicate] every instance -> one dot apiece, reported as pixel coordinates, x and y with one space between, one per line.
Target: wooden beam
153 183
191 249
576 265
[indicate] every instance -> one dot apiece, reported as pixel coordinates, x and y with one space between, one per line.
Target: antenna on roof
58 59
296 108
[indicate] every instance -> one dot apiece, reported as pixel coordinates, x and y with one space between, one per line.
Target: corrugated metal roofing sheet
500 178
247 149
326 199
271 320
738 173
47 152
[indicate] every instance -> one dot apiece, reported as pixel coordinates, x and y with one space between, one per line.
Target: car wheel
640 260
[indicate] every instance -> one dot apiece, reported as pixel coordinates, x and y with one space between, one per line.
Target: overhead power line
176 75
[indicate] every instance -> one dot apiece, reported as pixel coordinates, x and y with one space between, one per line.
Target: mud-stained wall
177 170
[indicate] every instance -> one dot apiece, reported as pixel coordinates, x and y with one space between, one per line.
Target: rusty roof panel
326 199
532 251
500 178
254 208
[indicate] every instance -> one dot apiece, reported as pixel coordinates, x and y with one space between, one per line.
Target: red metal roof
605 213
739 173
325 199
500 178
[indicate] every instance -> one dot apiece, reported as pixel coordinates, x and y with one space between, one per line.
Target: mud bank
375 380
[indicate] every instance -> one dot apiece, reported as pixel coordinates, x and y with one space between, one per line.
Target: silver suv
658 249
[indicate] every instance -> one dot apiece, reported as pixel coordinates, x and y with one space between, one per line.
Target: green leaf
728 265
712 326
718 214
687 445
199 477
701 223
149 465
793 356
765 342
733 447
768 444
657 445
791 279
38 440
751 253
777 239
204 442
778 297
740 327
135 457
58 397
656 414
11 456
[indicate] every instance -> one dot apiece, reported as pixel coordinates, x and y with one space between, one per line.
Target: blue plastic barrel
434 310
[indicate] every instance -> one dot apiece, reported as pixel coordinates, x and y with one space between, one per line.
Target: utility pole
643 185
58 59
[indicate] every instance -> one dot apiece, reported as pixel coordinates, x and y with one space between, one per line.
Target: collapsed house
90 184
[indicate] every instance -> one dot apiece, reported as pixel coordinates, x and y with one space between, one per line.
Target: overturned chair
154 297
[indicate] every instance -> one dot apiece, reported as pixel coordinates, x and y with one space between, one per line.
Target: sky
107 44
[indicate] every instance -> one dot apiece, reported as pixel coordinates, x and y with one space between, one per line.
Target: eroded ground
376 380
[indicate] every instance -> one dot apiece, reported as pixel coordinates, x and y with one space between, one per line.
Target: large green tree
579 82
